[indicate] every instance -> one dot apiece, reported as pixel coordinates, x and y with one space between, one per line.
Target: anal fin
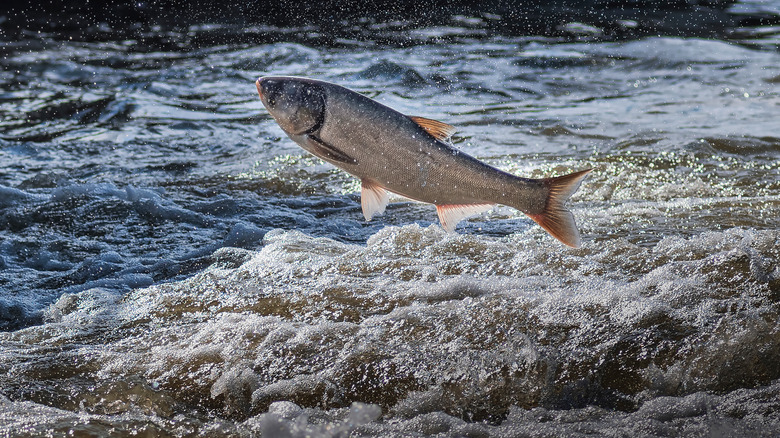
450 215
373 198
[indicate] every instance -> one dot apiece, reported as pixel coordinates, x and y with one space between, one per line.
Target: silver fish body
390 151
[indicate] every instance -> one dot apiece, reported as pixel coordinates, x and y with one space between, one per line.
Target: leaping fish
407 155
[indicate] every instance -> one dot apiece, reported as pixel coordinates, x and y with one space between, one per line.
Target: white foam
412 319
10 196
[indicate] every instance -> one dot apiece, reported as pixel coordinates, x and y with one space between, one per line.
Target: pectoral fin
373 199
439 130
325 150
450 215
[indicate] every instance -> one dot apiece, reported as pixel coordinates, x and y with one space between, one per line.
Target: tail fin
556 219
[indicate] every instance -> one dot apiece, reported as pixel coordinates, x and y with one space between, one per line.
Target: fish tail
555 218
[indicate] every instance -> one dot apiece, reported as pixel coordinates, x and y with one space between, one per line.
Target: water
172 265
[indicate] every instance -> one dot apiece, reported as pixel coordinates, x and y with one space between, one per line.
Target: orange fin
556 219
439 130
450 215
373 199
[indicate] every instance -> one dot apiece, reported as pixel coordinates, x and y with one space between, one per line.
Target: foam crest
240 336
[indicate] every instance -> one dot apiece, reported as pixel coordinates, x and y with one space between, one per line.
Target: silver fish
390 151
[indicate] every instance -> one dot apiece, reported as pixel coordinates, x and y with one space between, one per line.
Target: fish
409 156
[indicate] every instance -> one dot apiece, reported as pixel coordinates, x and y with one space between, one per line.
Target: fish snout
259 85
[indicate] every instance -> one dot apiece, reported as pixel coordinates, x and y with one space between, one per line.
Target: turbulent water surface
172 265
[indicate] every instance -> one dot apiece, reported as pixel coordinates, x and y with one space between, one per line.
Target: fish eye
271 101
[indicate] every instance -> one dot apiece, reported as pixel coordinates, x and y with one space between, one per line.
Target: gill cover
297 106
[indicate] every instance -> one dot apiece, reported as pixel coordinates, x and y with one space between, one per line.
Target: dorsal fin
439 130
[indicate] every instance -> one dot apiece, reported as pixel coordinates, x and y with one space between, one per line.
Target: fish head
297 104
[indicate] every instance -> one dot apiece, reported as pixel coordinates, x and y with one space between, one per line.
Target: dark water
172 265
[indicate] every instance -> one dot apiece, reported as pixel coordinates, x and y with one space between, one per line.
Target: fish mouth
259 88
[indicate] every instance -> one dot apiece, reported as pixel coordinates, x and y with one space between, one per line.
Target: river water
171 264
